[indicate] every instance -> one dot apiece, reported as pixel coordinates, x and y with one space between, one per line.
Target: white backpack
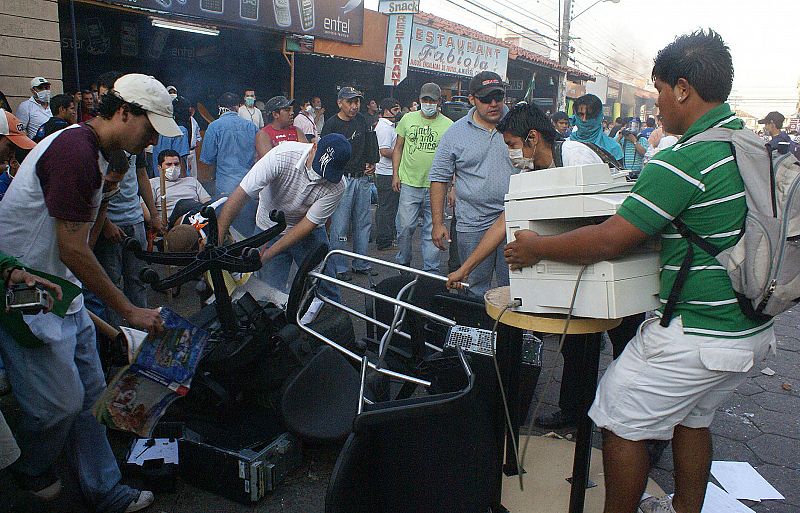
764 265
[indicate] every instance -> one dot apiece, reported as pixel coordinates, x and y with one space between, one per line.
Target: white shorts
666 378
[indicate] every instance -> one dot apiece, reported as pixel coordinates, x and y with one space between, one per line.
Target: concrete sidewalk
760 424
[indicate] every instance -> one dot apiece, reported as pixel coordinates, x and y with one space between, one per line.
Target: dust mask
249 101
172 173
43 96
429 109
518 158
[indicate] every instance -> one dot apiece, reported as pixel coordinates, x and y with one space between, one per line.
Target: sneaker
45 487
656 505
555 420
5 384
345 276
369 271
144 499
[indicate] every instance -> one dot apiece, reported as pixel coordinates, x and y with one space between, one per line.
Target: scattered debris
744 416
787 387
767 371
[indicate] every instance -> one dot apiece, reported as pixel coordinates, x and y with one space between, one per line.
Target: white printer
557 200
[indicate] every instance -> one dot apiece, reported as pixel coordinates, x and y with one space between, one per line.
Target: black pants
386 212
572 352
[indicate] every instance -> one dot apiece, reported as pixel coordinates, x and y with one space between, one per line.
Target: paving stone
784 423
735 424
789 343
785 480
777 450
733 450
778 402
774 507
749 388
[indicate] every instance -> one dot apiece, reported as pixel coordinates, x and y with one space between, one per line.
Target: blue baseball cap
333 153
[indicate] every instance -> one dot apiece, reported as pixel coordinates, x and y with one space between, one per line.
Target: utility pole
563 55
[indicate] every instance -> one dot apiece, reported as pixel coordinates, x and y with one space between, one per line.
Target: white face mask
43 96
428 109
518 158
310 109
172 173
173 95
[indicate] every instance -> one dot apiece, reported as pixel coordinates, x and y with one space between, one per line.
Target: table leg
583 440
509 361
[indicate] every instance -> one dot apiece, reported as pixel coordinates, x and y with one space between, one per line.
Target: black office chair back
430 453
321 400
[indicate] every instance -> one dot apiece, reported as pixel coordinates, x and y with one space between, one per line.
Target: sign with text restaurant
398 45
438 51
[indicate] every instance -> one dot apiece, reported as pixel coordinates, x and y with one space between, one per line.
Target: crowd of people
83 172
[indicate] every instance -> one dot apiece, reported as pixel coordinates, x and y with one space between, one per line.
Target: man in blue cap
304 181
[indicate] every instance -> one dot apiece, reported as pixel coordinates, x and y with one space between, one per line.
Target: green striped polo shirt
698 183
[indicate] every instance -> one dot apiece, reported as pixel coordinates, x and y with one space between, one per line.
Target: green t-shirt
699 183
422 137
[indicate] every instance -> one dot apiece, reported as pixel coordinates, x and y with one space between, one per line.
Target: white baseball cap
151 95
37 81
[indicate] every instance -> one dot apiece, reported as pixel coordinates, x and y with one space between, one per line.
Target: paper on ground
742 481
717 501
164 448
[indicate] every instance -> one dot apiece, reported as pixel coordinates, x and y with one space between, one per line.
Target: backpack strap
557 149
604 155
683 273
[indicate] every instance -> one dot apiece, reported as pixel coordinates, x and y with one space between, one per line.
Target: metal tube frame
399 312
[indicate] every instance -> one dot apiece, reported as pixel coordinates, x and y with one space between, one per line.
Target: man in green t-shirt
418 136
674 374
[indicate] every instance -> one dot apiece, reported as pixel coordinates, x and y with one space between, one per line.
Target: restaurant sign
444 52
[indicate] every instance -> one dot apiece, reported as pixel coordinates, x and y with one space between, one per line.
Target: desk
510 330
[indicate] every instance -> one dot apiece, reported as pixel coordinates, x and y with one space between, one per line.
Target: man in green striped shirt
669 381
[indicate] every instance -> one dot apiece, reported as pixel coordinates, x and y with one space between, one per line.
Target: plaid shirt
281 181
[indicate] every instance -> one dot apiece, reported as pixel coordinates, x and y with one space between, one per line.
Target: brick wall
30 46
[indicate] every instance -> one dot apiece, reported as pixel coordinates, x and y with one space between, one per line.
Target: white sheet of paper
134 339
718 501
742 481
163 448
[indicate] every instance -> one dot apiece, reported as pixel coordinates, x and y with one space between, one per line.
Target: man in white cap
35 111
49 210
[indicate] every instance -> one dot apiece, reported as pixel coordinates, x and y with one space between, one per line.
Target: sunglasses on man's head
496 96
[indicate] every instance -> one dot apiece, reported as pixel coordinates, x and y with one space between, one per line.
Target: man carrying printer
674 374
531 140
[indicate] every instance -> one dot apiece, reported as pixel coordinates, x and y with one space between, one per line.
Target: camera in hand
27 300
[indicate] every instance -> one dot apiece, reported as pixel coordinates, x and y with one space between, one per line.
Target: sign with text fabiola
444 52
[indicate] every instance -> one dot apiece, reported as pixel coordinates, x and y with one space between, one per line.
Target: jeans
55 386
573 353
413 202
352 215
480 279
275 272
386 212
123 267
245 222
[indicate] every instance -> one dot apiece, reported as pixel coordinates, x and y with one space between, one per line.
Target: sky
621 38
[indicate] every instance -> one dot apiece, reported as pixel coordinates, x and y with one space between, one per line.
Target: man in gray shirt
474 154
